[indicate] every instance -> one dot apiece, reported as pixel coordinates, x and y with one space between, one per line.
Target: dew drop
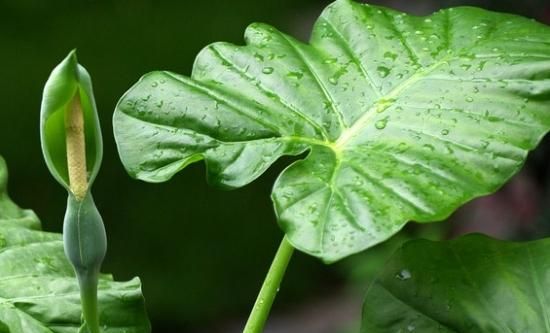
402 146
381 124
383 71
295 75
390 55
259 56
329 61
313 208
428 147
267 70
403 275
444 131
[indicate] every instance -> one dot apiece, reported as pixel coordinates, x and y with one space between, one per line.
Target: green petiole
270 287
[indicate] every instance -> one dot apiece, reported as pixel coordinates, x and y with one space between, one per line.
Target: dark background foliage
202 253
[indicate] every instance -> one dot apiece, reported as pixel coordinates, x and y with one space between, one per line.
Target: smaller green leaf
473 284
68 81
3 175
38 289
9 210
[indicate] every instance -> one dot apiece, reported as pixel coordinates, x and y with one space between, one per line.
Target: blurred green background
201 253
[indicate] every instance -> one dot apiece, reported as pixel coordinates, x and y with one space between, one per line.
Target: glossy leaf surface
474 284
38 289
404 117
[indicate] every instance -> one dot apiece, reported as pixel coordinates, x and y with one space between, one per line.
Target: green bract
403 117
66 80
38 289
474 284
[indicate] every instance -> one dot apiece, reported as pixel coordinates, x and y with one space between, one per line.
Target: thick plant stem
88 294
270 287
76 148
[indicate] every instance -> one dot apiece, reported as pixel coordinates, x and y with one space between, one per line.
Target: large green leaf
404 117
473 284
38 289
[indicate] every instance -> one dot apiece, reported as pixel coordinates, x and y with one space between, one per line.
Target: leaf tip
3 174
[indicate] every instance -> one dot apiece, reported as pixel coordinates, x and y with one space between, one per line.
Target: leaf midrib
359 125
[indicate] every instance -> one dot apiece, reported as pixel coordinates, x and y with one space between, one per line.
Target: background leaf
405 118
38 288
471 284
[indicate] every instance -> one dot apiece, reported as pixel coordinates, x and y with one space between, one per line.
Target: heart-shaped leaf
405 117
38 289
473 284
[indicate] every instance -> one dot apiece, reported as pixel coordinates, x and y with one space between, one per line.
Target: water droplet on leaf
390 55
381 124
383 71
428 147
403 275
295 75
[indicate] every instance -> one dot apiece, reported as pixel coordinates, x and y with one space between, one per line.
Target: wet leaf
404 117
38 289
473 284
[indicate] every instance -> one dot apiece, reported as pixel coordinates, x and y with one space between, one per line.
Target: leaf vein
417 310
210 93
328 96
266 92
390 190
355 58
475 287
393 27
